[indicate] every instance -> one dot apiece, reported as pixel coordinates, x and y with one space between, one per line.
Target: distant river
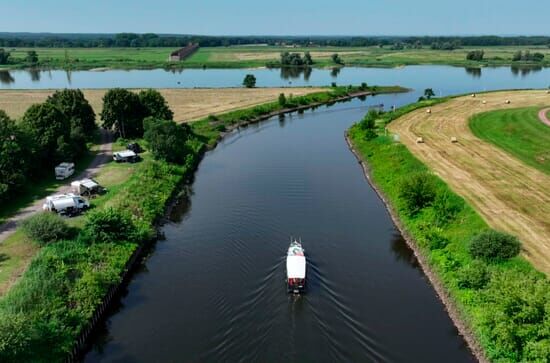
443 79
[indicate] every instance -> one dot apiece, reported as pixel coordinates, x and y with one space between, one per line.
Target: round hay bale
484 102
419 140
507 102
454 139
429 110
473 95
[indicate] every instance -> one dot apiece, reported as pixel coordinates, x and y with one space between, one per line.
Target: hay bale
548 92
473 95
484 102
507 102
454 139
419 140
429 110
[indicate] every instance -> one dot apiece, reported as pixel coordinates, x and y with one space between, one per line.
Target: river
213 290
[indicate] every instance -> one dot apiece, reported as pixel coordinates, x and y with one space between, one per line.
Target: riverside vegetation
500 297
44 312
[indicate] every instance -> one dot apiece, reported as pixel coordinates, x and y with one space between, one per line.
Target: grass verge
518 132
508 317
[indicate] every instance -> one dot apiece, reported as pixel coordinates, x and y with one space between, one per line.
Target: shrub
446 206
46 227
109 225
494 246
166 139
282 100
474 276
436 240
417 192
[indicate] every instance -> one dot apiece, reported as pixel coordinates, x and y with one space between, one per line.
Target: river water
214 290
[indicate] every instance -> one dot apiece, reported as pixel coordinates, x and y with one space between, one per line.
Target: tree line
61 128
11 40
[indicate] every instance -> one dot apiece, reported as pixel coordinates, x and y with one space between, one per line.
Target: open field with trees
497 296
509 194
261 56
187 104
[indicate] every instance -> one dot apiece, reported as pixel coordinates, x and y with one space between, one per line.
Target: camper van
87 187
126 156
69 204
64 170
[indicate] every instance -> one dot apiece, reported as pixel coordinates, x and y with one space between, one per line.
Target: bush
417 192
46 227
494 246
109 225
436 240
282 100
474 276
446 206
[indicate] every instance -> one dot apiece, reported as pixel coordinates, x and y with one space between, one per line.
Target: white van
64 170
69 204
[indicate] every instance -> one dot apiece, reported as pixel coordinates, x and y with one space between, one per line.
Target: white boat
296 268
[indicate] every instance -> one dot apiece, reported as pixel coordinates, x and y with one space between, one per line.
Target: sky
279 17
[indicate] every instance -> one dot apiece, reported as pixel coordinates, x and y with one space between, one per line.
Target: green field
518 132
259 56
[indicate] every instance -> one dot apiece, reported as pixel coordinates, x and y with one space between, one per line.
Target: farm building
182 53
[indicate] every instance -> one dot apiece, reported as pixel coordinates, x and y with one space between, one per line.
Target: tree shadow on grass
3 257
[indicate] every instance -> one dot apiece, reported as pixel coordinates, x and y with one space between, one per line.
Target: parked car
64 170
126 156
68 204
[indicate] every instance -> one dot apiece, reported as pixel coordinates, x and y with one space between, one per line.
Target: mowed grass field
518 132
187 104
510 194
259 56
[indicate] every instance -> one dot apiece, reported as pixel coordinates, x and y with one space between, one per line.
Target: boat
296 267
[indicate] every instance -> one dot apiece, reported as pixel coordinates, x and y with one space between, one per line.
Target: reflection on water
525 70
334 72
475 72
291 73
35 75
6 78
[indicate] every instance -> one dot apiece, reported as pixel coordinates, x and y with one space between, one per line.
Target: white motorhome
65 204
125 156
64 170
86 187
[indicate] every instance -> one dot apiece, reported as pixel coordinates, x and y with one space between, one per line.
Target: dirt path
543 115
510 195
102 157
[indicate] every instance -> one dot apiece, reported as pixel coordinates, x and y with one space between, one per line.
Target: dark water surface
214 290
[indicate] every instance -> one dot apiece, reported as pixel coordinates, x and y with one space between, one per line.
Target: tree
47 126
108 226
14 157
282 100
417 192
4 56
429 93
492 245
154 104
517 56
32 57
166 139
249 81
75 107
336 59
307 59
475 55
122 112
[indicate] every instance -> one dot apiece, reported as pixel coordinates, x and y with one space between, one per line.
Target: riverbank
439 234
58 296
258 56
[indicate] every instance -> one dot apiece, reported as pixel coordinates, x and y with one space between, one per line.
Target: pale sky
280 17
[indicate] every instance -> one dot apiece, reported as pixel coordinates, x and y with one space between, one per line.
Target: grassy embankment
258 56
518 132
508 316
52 302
